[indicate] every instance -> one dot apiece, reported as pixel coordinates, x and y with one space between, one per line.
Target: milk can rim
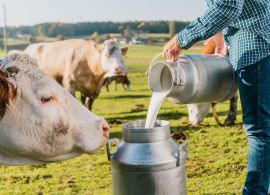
142 129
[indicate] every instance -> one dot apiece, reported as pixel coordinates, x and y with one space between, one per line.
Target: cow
41 122
197 112
117 80
80 65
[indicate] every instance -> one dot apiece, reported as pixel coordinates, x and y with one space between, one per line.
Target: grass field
217 155
12 41
2 53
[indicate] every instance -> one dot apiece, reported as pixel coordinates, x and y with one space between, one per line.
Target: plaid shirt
245 25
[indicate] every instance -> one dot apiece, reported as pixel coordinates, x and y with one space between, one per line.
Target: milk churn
194 79
148 161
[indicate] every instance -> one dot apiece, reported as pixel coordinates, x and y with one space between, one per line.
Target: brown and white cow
80 65
39 120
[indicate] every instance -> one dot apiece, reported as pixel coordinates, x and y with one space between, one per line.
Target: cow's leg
115 86
87 102
106 84
123 85
107 87
231 118
83 99
216 115
90 103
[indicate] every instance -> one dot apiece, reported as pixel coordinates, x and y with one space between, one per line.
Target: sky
29 12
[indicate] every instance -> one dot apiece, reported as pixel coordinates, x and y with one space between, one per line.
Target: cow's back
76 62
58 58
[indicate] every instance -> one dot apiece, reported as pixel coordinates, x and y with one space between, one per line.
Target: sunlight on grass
2 53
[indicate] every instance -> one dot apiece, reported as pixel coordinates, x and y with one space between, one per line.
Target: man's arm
216 18
220 14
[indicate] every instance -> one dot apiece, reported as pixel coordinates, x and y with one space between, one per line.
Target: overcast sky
28 12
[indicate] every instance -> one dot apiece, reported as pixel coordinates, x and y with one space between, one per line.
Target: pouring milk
159 93
154 106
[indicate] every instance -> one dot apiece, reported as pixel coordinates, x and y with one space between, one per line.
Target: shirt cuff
181 41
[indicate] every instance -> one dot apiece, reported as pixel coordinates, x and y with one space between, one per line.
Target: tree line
86 28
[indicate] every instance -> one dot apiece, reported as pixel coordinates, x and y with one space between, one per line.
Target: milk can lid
147 148
135 132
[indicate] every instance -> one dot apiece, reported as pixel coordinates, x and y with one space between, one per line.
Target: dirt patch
138 108
179 137
114 121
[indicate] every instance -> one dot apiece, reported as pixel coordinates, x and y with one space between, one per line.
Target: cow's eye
45 100
112 50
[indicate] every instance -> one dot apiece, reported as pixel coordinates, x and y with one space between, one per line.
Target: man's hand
171 50
220 46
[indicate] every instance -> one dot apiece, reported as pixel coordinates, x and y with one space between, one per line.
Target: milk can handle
113 140
182 147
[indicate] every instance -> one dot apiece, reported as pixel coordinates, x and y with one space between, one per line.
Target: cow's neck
95 77
15 160
95 64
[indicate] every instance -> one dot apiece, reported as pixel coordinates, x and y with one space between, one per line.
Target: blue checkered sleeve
245 25
215 19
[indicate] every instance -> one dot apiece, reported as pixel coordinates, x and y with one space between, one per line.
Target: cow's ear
18 57
7 92
99 47
124 50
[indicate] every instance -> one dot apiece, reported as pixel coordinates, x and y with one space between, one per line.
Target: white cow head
39 120
197 112
112 58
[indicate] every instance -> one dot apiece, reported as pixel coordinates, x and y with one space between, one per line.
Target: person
245 25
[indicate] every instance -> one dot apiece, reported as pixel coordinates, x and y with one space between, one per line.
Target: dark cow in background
117 80
80 65
197 112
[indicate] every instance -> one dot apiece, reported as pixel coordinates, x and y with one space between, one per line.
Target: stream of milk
154 106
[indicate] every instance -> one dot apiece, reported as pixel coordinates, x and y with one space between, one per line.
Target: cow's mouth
107 136
119 73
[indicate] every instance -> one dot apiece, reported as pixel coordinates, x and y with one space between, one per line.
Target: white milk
154 106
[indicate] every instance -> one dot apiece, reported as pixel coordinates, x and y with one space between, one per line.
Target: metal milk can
148 161
194 79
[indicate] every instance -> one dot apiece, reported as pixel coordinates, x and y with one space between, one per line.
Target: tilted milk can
148 161
194 79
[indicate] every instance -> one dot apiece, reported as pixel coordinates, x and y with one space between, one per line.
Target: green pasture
217 155
12 41
2 53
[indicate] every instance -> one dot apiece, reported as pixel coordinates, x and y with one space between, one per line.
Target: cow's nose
105 130
119 70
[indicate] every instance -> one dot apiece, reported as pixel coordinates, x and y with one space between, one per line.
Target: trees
172 28
86 28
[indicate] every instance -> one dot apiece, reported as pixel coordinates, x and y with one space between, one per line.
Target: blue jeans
254 88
